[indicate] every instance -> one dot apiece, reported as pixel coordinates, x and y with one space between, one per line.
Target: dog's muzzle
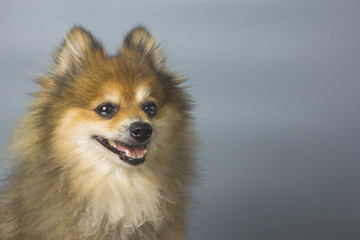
134 150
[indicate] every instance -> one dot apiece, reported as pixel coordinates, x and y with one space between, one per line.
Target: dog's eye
150 108
106 110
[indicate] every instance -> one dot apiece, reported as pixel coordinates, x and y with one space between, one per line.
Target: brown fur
65 184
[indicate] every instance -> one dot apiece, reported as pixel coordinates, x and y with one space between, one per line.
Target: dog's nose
141 131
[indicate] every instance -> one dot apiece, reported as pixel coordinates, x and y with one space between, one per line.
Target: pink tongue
137 150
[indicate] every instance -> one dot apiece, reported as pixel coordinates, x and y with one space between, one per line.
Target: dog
106 148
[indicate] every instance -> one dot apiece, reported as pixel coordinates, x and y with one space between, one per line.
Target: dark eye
150 109
106 110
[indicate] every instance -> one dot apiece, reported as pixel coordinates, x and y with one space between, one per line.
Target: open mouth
131 154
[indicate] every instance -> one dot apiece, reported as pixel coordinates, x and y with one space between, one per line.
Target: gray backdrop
278 106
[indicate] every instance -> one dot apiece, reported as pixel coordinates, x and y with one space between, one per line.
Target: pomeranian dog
105 150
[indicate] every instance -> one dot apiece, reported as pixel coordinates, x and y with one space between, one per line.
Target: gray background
278 106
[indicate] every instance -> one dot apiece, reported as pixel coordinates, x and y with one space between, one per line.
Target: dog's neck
120 197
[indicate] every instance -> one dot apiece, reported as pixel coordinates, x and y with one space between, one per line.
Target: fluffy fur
66 185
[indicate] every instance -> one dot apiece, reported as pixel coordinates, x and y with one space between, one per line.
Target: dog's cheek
74 131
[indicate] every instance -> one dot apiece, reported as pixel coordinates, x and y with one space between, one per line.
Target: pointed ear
140 40
77 46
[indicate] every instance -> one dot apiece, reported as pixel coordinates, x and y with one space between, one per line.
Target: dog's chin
131 154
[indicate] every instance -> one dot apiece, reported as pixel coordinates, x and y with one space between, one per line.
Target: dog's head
121 109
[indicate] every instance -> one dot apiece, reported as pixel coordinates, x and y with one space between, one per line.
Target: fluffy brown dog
105 150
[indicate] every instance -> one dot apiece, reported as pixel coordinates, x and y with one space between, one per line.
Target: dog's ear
75 49
142 42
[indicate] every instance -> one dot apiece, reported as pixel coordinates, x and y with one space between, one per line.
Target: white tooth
127 152
145 152
112 143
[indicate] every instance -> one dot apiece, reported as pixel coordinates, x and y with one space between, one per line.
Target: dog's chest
123 201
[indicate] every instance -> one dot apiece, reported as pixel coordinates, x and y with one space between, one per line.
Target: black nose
141 131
